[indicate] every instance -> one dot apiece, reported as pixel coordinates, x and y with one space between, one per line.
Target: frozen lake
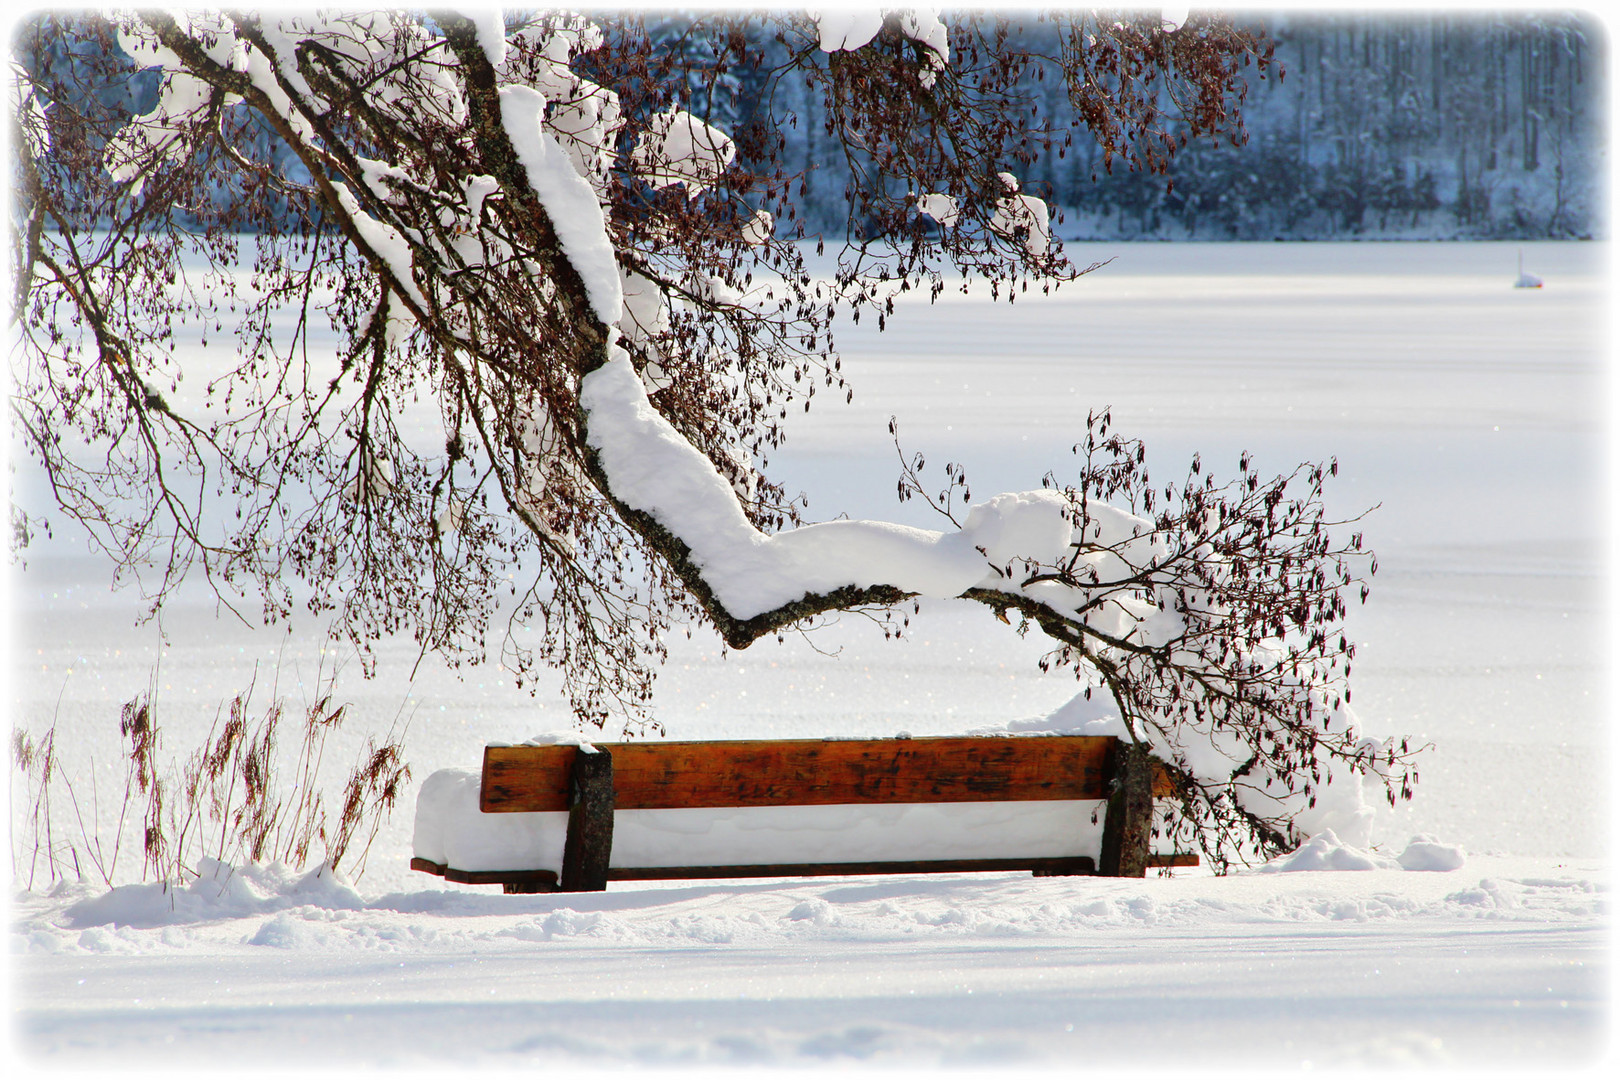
1473 414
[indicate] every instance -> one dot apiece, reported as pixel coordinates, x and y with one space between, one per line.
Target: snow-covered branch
575 245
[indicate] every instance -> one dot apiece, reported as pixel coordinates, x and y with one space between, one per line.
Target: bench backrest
811 772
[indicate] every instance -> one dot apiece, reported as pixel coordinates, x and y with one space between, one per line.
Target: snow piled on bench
452 831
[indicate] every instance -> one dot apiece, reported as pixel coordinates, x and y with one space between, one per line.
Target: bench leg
1128 824
590 823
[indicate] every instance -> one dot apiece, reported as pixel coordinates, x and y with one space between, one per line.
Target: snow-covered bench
551 817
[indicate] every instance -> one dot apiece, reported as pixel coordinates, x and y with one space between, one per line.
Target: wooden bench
591 783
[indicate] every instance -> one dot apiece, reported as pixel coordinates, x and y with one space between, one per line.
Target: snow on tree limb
678 148
650 467
608 321
568 198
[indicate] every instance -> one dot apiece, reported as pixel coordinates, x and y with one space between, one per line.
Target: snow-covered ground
1473 413
1501 964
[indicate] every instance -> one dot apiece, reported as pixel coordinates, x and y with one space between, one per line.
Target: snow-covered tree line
589 296
1432 125
1387 124
1428 125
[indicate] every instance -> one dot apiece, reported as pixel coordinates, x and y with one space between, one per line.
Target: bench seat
560 817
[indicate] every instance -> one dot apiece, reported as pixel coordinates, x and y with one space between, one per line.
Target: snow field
1493 966
1469 411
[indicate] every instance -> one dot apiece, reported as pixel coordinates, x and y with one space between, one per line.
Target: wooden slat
1051 867
525 881
536 880
809 772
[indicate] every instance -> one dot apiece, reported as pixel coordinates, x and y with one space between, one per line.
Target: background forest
1448 125
1385 125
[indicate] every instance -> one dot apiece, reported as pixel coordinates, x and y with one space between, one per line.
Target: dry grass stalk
227 800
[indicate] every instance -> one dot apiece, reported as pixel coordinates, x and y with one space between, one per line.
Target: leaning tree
564 265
